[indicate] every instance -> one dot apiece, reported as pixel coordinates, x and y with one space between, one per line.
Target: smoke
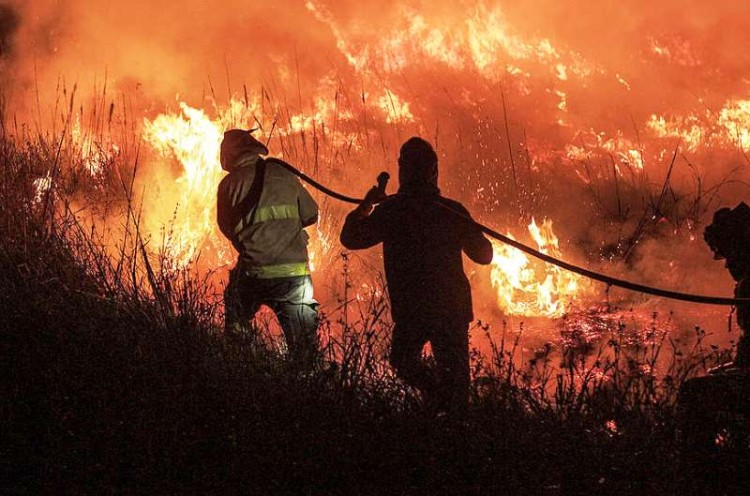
162 49
9 22
621 61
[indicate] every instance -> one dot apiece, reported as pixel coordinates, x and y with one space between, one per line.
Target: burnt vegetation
117 379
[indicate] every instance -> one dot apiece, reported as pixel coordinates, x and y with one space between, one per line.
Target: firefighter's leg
406 357
239 309
696 414
450 346
297 312
742 359
300 325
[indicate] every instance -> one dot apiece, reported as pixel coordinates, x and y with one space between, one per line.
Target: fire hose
608 280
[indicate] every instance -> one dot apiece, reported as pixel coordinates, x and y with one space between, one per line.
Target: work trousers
291 299
446 385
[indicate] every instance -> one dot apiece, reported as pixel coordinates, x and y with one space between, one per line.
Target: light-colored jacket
269 237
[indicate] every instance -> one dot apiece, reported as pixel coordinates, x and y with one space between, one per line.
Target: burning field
604 135
608 138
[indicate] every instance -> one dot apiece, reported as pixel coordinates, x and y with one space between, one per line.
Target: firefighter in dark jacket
728 236
705 403
429 292
263 210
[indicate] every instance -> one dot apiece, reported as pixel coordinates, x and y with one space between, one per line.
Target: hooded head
728 236
236 144
418 168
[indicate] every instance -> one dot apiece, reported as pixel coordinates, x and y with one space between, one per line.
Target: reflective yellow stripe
276 212
280 270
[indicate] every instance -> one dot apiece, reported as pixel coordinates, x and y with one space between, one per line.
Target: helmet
728 235
418 164
236 143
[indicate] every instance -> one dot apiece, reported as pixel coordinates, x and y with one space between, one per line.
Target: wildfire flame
727 128
193 139
501 97
532 288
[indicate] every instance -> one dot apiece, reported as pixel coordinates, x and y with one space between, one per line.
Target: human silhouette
712 404
728 236
263 210
429 292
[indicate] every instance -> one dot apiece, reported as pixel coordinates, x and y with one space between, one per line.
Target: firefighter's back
422 247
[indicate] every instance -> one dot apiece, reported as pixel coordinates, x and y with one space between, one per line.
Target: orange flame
532 288
193 139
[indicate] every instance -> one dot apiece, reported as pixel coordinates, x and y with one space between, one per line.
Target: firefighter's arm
362 228
478 248
308 208
475 245
224 212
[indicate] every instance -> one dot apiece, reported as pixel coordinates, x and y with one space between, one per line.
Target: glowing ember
532 288
611 427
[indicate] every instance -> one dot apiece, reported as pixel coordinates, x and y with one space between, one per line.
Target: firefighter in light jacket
263 210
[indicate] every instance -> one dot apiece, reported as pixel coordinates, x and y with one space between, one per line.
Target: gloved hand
375 195
371 198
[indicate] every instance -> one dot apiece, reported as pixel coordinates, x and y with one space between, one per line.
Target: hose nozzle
383 179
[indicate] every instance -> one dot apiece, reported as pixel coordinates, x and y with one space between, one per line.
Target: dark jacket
270 238
742 290
422 245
